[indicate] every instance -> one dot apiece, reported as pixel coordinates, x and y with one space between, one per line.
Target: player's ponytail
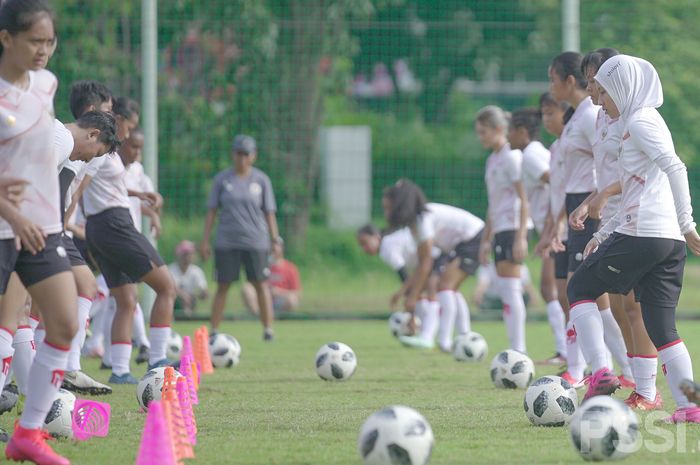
406 202
20 15
569 64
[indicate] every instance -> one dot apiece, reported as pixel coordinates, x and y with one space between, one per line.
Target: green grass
273 409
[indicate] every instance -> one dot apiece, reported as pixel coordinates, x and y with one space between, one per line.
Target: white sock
6 353
110 310
511 290
420 309
23 343
76 346
33 322
430 320
139 328
555 315
97 315
464 319
45 378
644 372
159 343
615 342
677 367
575 364
448 313
121 356
588 325
39 336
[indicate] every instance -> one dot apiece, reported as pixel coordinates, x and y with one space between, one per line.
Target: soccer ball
550 401
470 347
604 428
59 420
398 324
174 346
150 387
335 361
396 435
511 369
225 350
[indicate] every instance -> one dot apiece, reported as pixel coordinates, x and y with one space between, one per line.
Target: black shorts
227 265
561 264
503 246
32 269
123 254
82 246
577 240
652 266
74 255
440 263
468 254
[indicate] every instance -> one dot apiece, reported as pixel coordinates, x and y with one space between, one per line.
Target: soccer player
245 203
27 38
455 232
523 135
643 247
506 223
123 254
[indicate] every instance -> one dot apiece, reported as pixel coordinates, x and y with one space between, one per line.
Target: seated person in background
486 295
189 279
284 284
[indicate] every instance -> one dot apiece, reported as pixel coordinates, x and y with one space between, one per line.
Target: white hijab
632 83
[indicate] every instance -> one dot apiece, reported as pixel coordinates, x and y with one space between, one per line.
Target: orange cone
201 350
180 442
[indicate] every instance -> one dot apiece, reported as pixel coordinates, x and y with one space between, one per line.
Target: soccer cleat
602 382
160 363
142 357
8 398
566 376
640 402
30 445
416 342
555 359
82 383
4 436
626 383
104 366
685 415
268 335
126 378
691 390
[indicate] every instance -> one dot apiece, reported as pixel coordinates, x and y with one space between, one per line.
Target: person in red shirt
283 282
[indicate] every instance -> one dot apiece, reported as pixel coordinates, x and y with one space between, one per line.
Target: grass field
272 409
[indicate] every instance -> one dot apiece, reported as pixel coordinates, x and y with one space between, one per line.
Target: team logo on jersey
628 218
228 186
57 377
255 189
10 120
61 252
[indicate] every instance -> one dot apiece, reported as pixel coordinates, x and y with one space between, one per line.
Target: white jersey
503 170
536 159
192 281
398 250
107 188
648 208
606 151
576 144
27 149
136 180
557 183
63 144
446 226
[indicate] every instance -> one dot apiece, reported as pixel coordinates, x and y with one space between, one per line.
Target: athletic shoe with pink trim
601 383
566 376
685 415
626 383
30 444
640 402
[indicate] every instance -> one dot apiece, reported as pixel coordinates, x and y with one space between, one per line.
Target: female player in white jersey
604 204
455 232
567 83
27 38
125 256
643 247
523 135
506 224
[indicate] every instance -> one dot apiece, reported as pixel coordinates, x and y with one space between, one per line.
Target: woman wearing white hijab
643 247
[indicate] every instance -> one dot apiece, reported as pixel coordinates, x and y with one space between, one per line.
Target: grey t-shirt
242 204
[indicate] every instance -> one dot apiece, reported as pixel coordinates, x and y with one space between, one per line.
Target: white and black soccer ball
335 361
396 435
150 386
550 401
59 420
398 324
224 349
604 428
174 346
470 347
511 369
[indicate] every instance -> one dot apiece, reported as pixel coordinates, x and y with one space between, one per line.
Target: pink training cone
183 396
90 418
186 371
187 350
156 442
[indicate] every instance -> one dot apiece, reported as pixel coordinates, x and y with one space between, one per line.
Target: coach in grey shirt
245 203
